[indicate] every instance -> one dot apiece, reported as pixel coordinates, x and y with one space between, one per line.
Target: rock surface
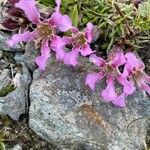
3 46
64 111
29 56
16 102
4 78
3 64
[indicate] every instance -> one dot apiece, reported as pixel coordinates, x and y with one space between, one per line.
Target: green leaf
2 146
74 16
110 45
67 2
48 2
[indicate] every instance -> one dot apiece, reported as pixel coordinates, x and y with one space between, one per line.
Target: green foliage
142 20
66 3
6 90
144 10
2 146
74 16
47 2
120 21
5 122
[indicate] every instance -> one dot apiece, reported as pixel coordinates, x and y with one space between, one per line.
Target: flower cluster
126 69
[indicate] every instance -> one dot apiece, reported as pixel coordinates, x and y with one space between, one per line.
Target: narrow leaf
74 16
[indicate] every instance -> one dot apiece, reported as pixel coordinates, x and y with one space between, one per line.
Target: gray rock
2 9
3 64
16 103
4 78
66 112
3 46
29 56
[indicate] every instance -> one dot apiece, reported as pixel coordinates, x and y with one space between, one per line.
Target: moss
6 90
20 133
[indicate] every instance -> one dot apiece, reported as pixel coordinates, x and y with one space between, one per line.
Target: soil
12 133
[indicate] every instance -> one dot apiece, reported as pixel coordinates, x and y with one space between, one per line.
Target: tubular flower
110 70
80 45
134 70
45 30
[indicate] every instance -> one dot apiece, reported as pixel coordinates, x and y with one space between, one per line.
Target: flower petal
132 62
70 58
55 19
109 93
91 79
62 21
86 50
146 88
98 61
128 86
24 37
119 59
65 23
30 10
120 101
45 53
146 77
58 45
88 32
74 30
143 85
58 3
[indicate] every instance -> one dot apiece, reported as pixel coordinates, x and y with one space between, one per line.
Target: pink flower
45 30
80 45
110 70
58 48
134 70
